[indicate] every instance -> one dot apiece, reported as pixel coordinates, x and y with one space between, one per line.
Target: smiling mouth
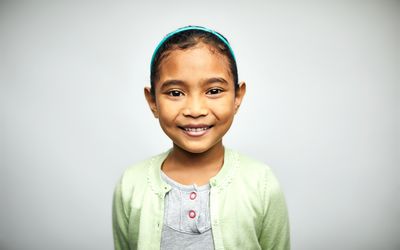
195 131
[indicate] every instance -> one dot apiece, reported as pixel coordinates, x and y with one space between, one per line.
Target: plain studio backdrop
322 109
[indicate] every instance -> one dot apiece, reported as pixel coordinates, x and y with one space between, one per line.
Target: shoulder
257 172
137 174
251 166
136 170
258 175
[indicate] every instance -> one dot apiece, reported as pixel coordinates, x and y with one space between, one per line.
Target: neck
213 157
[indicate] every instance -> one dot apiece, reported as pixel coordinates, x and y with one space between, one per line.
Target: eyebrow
173 82
215 79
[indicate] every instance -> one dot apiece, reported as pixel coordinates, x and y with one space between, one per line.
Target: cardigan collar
218 182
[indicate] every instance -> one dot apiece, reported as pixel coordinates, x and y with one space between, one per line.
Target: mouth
195 130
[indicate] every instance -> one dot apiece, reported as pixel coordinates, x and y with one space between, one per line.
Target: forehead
200 61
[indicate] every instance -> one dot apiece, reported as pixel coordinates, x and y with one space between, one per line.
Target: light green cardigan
247 206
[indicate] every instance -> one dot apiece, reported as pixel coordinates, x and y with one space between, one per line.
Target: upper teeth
196 129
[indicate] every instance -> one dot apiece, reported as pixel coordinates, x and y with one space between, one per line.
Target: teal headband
190 27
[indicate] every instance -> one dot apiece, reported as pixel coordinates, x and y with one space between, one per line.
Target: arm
275 232
119 220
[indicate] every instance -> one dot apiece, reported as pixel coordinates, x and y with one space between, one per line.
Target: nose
195 107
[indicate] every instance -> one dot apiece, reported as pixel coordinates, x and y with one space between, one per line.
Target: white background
322 109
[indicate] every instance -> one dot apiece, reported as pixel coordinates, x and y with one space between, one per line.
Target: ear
240 92
151 100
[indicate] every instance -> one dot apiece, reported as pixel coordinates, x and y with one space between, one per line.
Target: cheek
224 111
167 113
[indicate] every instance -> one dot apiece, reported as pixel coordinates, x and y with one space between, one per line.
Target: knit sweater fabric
247 206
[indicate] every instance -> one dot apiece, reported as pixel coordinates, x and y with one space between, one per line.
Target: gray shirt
186 217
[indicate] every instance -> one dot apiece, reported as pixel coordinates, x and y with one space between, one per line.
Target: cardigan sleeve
275 232
119 220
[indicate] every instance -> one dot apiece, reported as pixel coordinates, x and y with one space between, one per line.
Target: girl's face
195 99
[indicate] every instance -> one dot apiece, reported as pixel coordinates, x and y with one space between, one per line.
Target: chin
196 149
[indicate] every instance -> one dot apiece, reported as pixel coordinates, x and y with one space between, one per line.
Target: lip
196 130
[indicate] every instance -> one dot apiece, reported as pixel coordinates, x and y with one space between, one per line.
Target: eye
175 93
214 91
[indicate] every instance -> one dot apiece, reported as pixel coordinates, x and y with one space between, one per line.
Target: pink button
193 195
192 214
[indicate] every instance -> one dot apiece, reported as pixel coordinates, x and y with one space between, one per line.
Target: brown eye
214 91
175 93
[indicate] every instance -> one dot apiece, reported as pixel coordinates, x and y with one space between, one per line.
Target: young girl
198 194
